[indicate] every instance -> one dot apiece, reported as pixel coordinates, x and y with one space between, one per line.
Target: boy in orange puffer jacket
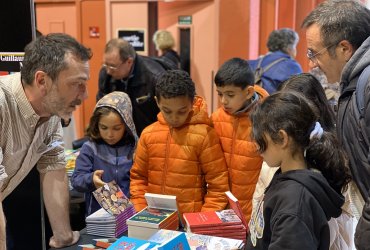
180 154
238 95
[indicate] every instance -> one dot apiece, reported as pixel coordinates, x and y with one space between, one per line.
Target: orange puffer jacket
243 160
187 162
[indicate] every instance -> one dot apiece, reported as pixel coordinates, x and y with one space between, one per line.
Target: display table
84 239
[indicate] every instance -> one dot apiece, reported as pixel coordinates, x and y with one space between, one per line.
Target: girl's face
175 110
272 154
111 128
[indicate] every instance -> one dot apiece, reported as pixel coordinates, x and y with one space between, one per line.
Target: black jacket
348 131
296 208
354 139
140 87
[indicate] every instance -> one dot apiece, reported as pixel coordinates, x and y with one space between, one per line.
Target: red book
235 205
228 229
89 247
105 242
211 218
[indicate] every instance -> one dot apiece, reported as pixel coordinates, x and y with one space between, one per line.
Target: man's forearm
56 199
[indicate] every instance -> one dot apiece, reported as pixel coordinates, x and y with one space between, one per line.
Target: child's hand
97 178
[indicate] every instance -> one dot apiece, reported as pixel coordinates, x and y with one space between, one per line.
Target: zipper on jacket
233 139
116 170
168 143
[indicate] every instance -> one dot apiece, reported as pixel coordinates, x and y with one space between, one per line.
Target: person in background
341 228
337 35
180 154
238 95
164 43
51 84
108 154
124 70
332 90
279 63
306 190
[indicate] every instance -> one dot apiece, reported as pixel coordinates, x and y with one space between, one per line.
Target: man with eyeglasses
124 70
338 42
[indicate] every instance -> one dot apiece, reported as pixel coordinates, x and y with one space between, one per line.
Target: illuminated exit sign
185 20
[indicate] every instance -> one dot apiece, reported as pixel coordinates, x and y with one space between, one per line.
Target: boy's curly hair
174 83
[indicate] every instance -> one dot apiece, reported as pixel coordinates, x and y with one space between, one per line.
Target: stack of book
101 223
110 220
229 223
71 156
161 213
224 223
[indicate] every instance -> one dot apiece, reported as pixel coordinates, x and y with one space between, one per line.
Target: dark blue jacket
279 72
113 160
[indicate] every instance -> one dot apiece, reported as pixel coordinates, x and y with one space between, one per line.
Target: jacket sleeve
362 235
290 232
102 88
215 171
82 177
139 176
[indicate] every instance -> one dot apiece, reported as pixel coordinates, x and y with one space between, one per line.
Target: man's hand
59 242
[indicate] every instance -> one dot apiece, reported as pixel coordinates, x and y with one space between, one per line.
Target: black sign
135 37
17 28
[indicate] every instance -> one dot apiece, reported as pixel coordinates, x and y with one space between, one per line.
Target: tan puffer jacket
243 160
187 162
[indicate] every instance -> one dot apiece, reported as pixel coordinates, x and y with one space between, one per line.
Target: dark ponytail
326 155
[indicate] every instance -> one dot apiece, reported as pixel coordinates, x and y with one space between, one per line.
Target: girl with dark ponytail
306 190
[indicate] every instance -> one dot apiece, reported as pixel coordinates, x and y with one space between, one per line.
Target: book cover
105 242
163 235
161 201
206 242
111 198
178 242
211 218
126 243
152 217
235 205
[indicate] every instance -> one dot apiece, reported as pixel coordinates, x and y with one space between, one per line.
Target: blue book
170 240
178 242
126 243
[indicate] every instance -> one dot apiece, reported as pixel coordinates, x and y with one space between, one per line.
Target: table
84 239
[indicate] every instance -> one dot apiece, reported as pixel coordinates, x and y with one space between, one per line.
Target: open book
111 198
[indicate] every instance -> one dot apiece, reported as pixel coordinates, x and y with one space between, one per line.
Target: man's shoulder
6 89
149 64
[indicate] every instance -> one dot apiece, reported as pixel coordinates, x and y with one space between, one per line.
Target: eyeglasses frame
312 57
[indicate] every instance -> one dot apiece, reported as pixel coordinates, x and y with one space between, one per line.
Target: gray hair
282 39
48 53
340 20
125 48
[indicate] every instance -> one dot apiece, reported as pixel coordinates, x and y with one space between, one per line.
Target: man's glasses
110 67
313 56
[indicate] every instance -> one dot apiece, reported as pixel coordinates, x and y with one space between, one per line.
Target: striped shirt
26 139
